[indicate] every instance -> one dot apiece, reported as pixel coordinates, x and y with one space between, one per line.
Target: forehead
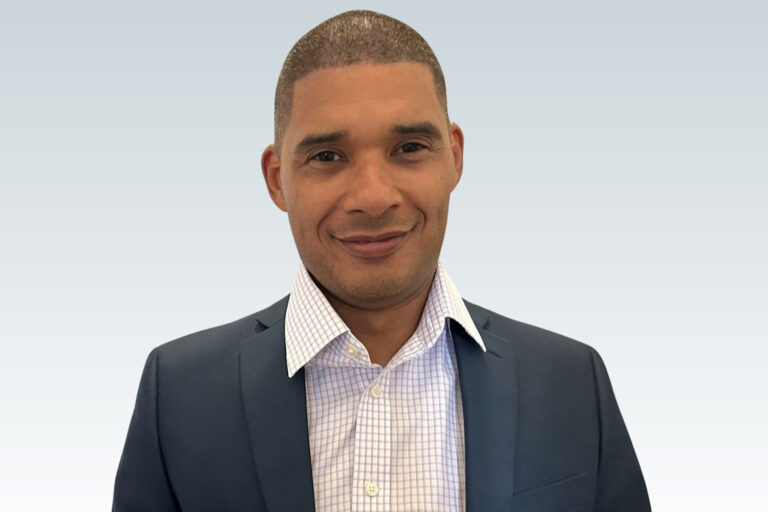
364 94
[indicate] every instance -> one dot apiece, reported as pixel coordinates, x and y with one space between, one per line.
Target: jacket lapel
276 413
489 390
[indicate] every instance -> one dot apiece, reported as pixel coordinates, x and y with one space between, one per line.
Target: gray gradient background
614 191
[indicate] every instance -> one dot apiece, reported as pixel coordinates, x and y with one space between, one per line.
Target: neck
384 331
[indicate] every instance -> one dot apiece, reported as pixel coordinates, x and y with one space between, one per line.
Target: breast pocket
564 495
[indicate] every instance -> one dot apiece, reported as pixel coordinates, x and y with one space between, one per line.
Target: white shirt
387 438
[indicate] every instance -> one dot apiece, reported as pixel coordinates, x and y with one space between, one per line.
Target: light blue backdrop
614 191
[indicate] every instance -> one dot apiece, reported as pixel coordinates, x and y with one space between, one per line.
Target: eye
325 156
411 147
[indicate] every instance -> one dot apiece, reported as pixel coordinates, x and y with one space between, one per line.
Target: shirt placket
371 481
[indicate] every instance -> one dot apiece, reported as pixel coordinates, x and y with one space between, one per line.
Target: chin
380 289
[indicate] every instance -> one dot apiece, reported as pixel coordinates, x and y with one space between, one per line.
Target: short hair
352 37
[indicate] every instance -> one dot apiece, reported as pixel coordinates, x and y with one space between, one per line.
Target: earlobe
270 167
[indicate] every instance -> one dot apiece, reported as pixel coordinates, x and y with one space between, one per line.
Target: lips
373 246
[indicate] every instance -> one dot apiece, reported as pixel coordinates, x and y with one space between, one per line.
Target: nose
372 188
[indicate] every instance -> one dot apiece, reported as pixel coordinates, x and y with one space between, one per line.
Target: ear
457 148
270 167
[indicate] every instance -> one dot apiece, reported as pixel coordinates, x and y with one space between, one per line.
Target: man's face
365 172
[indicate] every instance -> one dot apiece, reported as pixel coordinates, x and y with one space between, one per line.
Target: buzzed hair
352 37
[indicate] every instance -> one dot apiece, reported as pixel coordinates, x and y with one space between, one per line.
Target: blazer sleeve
142 483
620 482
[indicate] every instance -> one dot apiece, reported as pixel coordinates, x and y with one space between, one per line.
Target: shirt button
376 392
371 488
351 351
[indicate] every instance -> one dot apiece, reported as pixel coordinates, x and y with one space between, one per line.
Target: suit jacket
219 426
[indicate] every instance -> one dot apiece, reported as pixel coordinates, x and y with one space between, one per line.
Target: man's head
365 157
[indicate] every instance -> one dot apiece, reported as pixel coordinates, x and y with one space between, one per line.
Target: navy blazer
219 426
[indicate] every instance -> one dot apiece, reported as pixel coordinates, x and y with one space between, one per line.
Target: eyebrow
421 127
318 138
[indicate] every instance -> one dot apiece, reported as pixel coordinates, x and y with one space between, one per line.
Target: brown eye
412 147
325 156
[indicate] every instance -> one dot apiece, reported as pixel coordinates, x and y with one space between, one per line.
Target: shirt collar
311 323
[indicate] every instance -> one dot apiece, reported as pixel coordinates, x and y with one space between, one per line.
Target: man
373 385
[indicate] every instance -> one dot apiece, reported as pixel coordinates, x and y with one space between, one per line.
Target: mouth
374 246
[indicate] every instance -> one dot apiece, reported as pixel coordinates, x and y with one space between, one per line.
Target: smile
381 246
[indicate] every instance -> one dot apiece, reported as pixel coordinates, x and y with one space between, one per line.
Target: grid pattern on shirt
387 438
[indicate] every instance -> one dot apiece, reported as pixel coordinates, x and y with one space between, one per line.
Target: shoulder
530 341
549 365
221 341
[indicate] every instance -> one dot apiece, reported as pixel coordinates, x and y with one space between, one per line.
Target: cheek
432 200
306 211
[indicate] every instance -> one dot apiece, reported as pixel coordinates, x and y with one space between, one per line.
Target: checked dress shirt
381 438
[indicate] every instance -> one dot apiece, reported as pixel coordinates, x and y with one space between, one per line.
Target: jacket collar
275 407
